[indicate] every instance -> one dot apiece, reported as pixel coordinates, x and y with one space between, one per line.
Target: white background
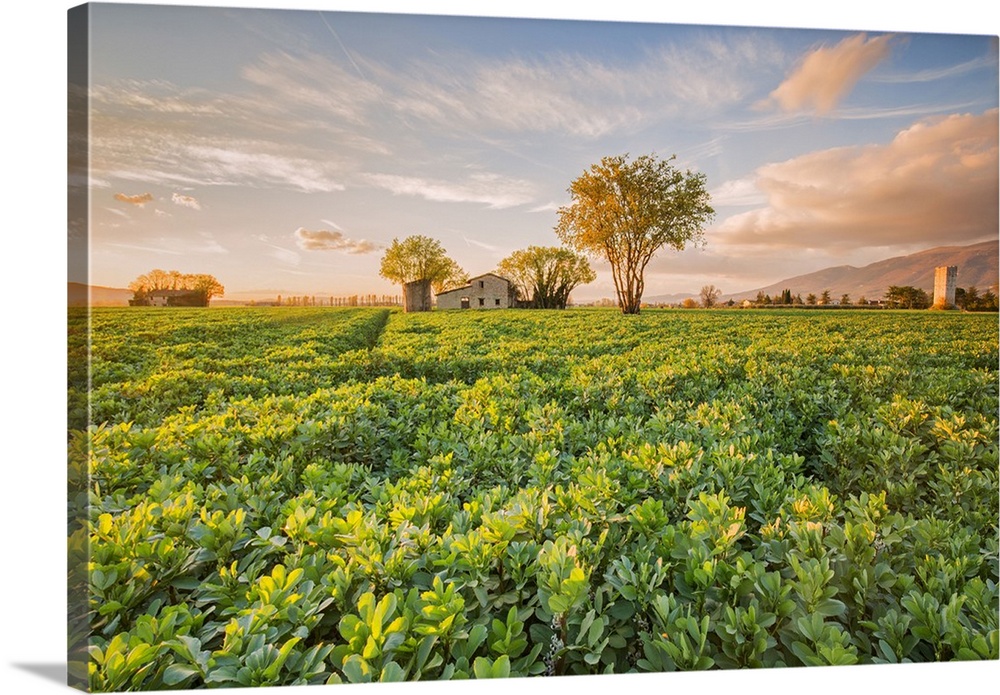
32 250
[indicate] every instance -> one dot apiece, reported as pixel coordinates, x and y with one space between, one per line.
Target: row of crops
294 496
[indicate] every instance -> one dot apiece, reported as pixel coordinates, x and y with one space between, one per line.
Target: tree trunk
628 285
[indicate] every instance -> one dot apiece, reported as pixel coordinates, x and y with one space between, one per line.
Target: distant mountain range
977 266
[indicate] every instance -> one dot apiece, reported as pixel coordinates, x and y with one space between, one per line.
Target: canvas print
409 347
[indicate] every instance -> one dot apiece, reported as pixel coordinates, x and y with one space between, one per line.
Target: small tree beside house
544 276
420 265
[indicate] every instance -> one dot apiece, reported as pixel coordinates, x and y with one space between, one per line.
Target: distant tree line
968 298
350 300
896 297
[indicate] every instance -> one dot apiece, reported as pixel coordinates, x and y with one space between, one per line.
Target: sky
282 151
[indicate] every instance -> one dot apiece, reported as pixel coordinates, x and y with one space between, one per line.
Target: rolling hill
99 296
977 266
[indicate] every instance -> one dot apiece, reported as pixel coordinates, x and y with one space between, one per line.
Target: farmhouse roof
469 285
172 293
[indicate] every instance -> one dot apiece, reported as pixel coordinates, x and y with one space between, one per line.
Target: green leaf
558 604
596 630
831 608
222 674
392 673
424 649
271 672
178 673
501 667
476 637
482 667
622 610
356 670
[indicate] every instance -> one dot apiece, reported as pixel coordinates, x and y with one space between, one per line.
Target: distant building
945 278
487 291
172 298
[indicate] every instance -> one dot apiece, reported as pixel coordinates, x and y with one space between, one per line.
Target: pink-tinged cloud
936 182
140 199
827 74
186 201
326 240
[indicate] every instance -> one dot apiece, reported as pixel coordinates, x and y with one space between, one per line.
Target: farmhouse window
482 302
497 302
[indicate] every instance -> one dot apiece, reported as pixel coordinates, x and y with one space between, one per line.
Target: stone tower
417 296
944 286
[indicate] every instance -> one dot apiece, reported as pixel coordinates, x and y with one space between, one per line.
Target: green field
283 496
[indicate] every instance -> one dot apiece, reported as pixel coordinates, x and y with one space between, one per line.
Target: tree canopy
970 299
545 275
421 258
205 286
624 211
906 297
710 296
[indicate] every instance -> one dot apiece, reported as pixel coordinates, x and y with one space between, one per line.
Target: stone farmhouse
487 291
171 298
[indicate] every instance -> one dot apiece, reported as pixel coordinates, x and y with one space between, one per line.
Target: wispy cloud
155 133
577 95
935 178
827 74
487 189
944 73
149 249
155 98
208 244
326 240
140 199
313 81
480 244
186 201
284 255
269 131
779 120
242 165
550 206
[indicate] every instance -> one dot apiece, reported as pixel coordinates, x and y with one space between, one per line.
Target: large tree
420 263
545 275
709 296
624 211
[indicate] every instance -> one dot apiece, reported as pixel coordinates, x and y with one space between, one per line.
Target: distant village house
487 291
171 298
